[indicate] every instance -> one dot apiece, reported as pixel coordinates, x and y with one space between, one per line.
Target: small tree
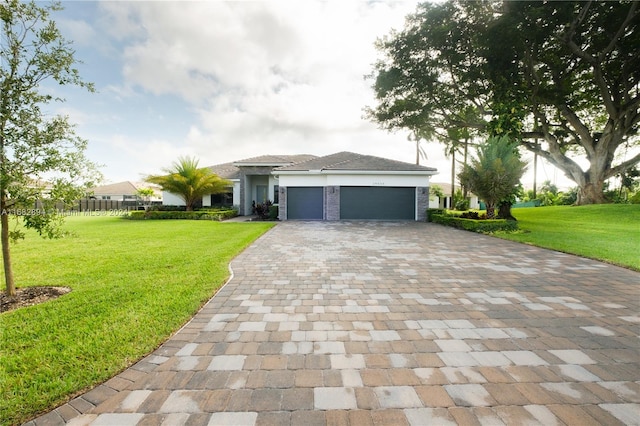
145 194
495 174
42 161
189 182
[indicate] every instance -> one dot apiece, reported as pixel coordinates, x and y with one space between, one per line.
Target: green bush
431 212
273 212
482 226
218 215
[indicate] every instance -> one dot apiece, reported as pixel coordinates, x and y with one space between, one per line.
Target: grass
607 232
134 284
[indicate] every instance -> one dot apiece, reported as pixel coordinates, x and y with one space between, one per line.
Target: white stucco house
339 186
446 201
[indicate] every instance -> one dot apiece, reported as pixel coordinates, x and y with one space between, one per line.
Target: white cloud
226 80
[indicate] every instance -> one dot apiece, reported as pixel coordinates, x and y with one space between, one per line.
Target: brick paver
391 323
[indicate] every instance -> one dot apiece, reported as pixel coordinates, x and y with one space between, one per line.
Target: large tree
190 182
566 73
42 161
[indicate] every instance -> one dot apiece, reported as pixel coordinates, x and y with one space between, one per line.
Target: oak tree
563 78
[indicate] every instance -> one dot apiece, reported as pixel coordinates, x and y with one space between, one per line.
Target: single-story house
446 201
347 185
124 191
339 186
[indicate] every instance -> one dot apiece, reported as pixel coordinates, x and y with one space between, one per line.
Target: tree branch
622 167
568 36
630 16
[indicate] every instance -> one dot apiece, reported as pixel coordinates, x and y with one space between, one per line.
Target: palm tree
189 182
495 173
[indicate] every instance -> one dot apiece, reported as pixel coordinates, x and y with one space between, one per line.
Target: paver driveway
391 323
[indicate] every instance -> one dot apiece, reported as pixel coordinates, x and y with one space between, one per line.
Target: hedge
197 215
431 212
482 226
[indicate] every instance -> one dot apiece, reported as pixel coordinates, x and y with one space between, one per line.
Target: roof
349 161
121 188
226 171
232 170
274 160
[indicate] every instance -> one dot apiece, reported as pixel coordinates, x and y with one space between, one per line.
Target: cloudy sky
229 80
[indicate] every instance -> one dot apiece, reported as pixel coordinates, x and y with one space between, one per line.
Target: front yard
607 232
134 283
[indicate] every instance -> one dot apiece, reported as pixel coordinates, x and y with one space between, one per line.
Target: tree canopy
495 172
560 77
41 158
190 182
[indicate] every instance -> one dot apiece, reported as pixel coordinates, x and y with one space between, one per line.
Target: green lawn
134 284
608 232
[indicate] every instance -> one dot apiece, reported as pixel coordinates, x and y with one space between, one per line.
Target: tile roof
232 171
121 188
276 160
350 161
226 171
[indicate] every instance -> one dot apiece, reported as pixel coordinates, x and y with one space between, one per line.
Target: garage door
382 203
304 203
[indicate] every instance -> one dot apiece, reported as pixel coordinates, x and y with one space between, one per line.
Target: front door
262 193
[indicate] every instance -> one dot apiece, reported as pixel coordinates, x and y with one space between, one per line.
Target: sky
228 80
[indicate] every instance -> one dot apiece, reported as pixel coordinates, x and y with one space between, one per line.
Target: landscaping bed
470 221
213 214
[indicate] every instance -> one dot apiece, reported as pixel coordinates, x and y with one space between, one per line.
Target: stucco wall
321 179
169 199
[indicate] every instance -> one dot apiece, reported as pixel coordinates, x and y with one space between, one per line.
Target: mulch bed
29 296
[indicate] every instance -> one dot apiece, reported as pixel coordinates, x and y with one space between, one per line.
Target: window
224 199
276 194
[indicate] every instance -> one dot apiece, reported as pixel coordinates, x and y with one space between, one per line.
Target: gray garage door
381 203
304 203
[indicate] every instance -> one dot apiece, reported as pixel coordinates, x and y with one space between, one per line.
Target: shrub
263 210
218 215
274 211
163 208
482 226
470 215
431 212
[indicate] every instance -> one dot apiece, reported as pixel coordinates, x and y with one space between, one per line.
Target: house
344 185
446 202
347 185
123 191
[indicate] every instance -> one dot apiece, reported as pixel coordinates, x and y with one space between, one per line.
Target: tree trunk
491 211
453 179
504 211
591 193
6 254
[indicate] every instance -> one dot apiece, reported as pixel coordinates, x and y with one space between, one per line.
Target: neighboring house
124 191
446 202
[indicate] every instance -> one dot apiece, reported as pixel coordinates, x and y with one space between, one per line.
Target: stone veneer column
422 200
332 202
282 202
